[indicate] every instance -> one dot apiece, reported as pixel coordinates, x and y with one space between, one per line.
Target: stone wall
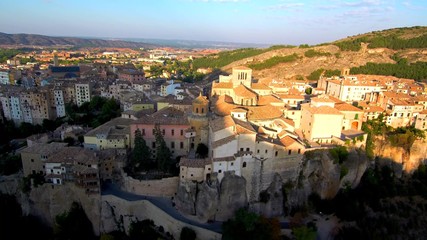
118 213
165 187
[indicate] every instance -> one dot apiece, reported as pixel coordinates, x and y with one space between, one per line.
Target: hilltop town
208 147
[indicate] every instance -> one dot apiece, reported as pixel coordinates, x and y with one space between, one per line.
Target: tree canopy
247 225
163 153
140 158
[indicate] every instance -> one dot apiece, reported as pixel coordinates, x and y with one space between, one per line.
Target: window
299 150
241 149
276 153
143 132
247 149
172 144
182 132
220 171
244 164
289 152
266 150
163 132
232 164
173 132
153 144
203 110
257 151
32 160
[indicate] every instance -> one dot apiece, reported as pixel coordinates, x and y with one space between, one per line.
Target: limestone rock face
400 159
186 197
274 206
232 196
207 201
319 174
356 164
109 222
47 201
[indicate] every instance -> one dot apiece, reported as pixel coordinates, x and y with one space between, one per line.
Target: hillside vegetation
397 39
226 57
400 52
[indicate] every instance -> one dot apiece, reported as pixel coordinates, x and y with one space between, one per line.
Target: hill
34 40
400 52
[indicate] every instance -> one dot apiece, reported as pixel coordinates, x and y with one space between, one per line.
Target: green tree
304 233
10 164
73 225
70 141
202 150
187 234
140 158
248 225
163 154
308 91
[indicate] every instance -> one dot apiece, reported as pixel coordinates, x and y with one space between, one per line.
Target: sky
242 21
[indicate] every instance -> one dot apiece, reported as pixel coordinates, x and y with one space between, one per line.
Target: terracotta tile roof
44 148
287 141
420 98
224 159
260 86
244 127
264 100
390 94
373 109
74 155
264 112
294 91
345 107
324 110
243 91
291 96
165 116
228 85
201 99
194 163
323 98
239 109
116 126
221 123
400 102
283 121
223 108
223 141
423 112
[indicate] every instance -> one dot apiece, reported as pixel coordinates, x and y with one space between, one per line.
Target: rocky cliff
319 173
402 160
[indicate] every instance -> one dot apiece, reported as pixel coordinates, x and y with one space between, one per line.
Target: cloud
410 6
286 6
363 3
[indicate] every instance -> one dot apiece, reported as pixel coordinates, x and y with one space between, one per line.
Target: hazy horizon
233 21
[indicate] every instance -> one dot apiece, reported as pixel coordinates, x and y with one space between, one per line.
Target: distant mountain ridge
48 41
23 39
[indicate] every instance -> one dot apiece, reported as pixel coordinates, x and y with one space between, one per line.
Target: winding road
165 204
